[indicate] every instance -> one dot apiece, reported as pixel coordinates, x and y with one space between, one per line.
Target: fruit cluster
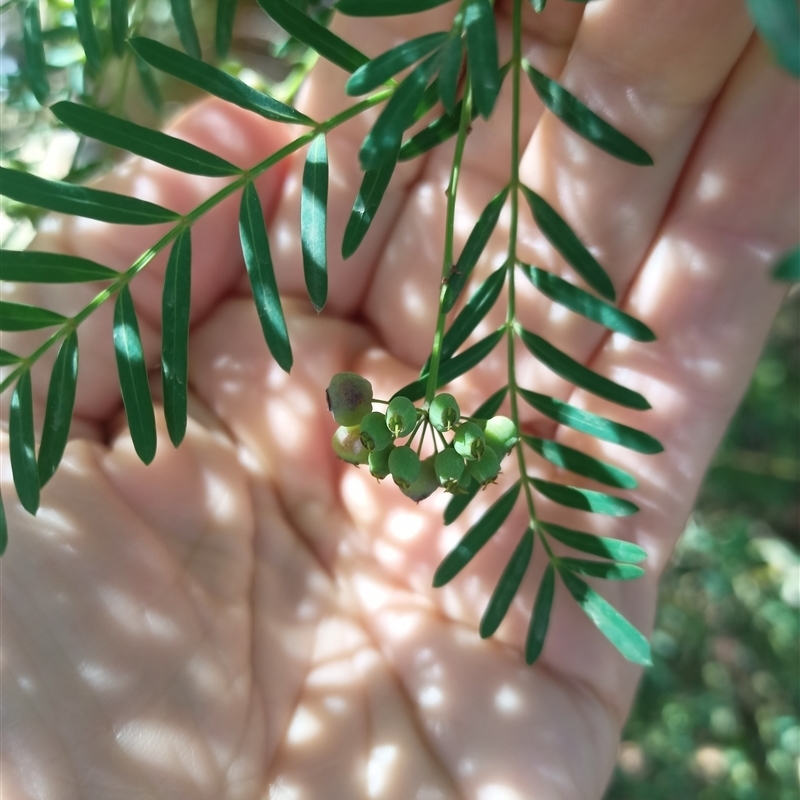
473 452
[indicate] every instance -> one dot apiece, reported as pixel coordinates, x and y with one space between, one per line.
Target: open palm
250 618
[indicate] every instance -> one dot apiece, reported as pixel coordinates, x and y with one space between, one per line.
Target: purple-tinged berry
425 484
349 398
348 446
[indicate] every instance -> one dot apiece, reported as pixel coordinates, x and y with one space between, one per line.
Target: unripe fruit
379 462
404 464
349 398
425 484
501 435
401 416
348 446
485 469
449 467
469 441
444 412
374 433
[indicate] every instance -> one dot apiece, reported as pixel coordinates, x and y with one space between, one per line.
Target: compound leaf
19 317
482 55
35 64
585 499
22 444
187 31
540 619
440 130
314 222
30 266
601 546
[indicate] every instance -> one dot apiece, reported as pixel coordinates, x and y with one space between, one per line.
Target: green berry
401 416
485 469
449 467
374 433
348 446
349 398
379 462
444 412
404 464
501 435
469 441
425 484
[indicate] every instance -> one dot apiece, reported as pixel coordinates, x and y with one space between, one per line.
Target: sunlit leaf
576 115
30 266
440 130
450 58
385 8
19 317
585 499
602 569
22 444
154 145
489 407
258 260
778 23
602 546
58 411
223 30
316 36
6 358
87 34
475 245
187 31
540 619
507 586
372 74
575 372
133 380
119 25
314 222
386 134
459 502
80 201
562 237
788 267
629 641
35 65
368 200
476 537
3 527
580 463
482 56
175 316
593 424
587 305
214 81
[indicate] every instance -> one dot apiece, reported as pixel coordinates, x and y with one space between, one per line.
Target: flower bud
349 398
444 412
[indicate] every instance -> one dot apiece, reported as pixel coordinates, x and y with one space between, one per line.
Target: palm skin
248 617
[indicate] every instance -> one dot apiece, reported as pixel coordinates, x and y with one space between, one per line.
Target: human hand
248 617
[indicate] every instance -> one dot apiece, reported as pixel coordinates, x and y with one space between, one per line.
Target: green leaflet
540 619
476 243
601 546
562 237
450 58
585 499
6 358
29 266
397 115
507 586
440 130
593 424
385 8
58 412
223 30
601 569
587 305
133 380
119 25
788 266
476 537
187 32
581 464
3 527
149 84
629 641
482 56
258 260
316 36
457 365
214 81
575 372
22 444
35 64
538 7
153 145
371 75
489 407
19 317
368 200
778 23
459 502
175 317
573 113
314 221
87 34
79 201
